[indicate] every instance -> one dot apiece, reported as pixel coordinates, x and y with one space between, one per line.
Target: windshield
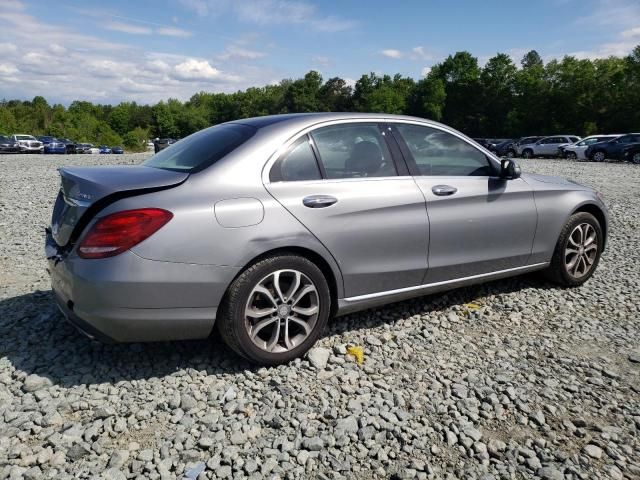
24 137
202 149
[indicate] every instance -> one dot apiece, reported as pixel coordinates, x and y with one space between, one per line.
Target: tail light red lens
115 233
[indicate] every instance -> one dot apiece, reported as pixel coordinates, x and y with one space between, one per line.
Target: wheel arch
331 273
597 212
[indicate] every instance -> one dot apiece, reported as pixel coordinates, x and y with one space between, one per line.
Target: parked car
611 149
485 142
547 146
28 143
300 231
70 145
117 150
52 144
504 148
104 149
576 151
8 145
162 143
519 144
631 153
83 148
94 150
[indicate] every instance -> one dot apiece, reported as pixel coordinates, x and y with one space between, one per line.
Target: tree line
499 99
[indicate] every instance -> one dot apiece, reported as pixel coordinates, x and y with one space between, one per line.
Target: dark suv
613 149
162 143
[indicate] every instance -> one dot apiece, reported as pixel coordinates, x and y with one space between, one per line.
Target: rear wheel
636 158
599 156
275 310
511 153
577 251
527 153
572 156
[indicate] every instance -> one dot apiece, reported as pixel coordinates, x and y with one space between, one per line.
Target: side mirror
509 169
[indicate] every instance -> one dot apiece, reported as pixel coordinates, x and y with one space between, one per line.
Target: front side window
298 163
202 149
353 151
440 153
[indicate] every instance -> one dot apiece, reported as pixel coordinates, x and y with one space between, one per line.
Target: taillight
115 233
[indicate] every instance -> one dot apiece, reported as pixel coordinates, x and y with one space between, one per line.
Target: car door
343 184
617 146
478 222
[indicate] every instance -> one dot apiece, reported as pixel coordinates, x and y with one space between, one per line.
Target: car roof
303 120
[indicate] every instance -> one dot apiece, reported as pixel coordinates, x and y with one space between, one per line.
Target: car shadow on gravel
35 339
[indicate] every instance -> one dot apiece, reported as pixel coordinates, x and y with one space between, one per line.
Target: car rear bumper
127 298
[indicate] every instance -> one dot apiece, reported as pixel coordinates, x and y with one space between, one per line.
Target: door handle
319 201
444 190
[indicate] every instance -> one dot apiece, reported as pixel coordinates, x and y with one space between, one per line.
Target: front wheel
599 156
577 251
527 153
572 156
275 310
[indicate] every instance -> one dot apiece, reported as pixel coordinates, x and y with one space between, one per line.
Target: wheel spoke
294 286
590 247
264 291
259 312
571 265
301 323
303 291
275 337
572 241
570 251
589 260
276 286
261 324
306 311
287 340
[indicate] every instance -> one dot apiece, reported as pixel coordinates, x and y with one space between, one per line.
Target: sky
149 50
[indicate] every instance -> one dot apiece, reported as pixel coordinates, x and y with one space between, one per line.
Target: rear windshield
202 149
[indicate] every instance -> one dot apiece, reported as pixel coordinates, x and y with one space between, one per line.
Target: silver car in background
269 226
547 146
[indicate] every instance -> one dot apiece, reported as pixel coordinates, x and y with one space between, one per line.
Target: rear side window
296 164
202 149
440 153
353 151
574 139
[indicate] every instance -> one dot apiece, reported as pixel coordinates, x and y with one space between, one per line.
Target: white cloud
240 53
173 32
321 60
631 33
425 71
273 12
128 28
420 53
87 67
7 70
391 53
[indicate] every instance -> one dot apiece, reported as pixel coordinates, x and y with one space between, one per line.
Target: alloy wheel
598 156
636 158
282 311
581 250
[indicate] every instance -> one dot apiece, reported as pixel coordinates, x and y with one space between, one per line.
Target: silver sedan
266 227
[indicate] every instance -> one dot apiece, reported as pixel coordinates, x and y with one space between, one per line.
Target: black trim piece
402 168
406 153
316 153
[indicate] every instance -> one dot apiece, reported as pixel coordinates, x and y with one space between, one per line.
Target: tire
635 158
527 153
511 153
561 271
247 293
598 156
572 156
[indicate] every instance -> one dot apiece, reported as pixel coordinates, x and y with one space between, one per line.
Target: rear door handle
444 190
319 201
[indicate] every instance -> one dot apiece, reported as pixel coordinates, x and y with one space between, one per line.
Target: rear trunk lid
84 191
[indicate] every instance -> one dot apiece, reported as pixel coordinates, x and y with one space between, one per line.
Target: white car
94 150
547 146
28 143
576 150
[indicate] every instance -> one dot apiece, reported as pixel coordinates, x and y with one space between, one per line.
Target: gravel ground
513 379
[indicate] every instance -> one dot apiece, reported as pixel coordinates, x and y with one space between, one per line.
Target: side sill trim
370 296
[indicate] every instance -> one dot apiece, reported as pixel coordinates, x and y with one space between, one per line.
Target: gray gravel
514 379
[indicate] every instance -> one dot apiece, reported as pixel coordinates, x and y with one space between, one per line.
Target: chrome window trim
381 119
